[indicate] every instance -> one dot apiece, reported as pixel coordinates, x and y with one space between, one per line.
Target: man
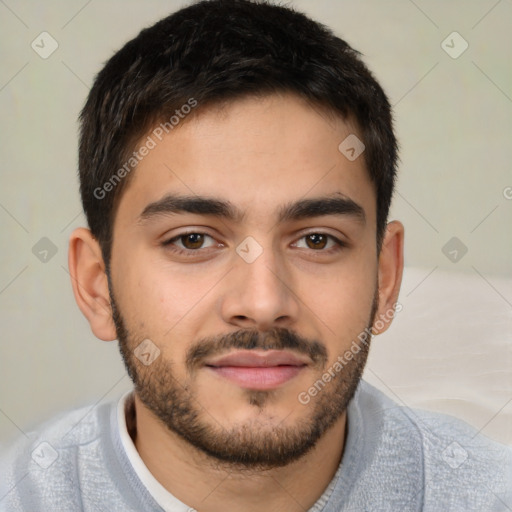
237 163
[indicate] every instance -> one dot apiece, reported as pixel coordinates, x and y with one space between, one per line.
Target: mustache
275 339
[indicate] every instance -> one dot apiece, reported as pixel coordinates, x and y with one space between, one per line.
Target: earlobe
391 262
89 281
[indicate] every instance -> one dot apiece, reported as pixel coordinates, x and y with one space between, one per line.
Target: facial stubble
252 445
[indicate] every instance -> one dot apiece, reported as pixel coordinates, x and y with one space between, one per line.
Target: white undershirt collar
160 494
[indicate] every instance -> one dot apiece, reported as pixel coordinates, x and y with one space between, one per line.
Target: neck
207 484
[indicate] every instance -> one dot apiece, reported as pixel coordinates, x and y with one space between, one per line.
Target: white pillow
450 348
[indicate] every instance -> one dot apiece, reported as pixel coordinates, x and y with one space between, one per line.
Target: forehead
256 153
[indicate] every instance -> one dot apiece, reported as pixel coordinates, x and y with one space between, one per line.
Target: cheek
345 286
342 301
163 299
345 310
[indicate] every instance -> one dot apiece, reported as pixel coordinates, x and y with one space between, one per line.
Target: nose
259 294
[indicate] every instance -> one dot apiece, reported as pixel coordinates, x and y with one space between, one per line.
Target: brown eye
192 240
316 241
192 244
319 242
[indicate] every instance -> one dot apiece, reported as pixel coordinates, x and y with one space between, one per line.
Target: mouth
258 370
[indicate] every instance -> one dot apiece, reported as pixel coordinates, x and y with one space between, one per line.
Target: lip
258 370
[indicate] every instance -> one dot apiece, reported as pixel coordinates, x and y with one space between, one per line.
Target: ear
391 264
90 285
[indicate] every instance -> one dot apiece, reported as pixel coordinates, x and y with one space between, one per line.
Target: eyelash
192 252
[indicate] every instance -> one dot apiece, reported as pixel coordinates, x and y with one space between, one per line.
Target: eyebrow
339 205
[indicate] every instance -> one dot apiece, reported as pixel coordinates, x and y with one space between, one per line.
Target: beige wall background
450 348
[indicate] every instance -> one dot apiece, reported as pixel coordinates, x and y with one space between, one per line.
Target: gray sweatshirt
396 459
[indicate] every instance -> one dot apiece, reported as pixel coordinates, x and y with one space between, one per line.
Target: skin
258 154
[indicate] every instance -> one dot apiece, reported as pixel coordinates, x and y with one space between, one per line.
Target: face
245 252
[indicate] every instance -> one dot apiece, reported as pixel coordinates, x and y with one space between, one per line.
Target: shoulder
36 464
457 463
